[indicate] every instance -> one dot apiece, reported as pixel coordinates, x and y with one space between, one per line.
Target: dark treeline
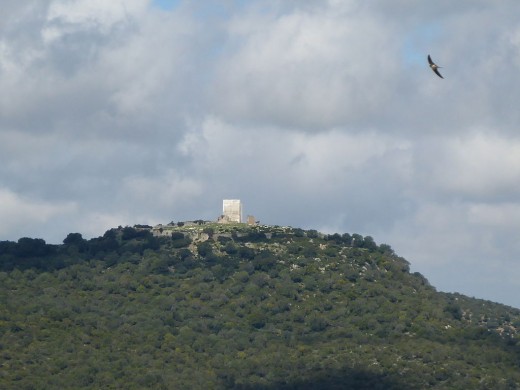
35 253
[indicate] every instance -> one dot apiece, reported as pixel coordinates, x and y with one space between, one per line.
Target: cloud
480 166
114 65
311 68
64 18
19 213
164 191
504 216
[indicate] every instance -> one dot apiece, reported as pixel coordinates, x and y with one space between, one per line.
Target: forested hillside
232 306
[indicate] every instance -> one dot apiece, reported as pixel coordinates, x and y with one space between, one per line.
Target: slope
231 306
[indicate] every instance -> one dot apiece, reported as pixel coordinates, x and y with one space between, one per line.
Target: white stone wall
232 210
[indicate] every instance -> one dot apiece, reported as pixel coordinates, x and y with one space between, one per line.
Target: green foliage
209 231
32 247
230 248
246 253
74 239
297 310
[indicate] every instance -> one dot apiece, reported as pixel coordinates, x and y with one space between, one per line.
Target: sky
316 114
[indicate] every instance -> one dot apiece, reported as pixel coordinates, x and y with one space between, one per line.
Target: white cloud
308 68
19 214
479 165
65 17
162 192
500 217
329 157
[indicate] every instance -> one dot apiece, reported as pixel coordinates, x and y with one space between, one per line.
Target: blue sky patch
166 5
419 42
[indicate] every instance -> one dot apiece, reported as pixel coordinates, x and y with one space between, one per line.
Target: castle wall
232 210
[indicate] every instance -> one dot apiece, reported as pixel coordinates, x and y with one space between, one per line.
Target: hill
214 306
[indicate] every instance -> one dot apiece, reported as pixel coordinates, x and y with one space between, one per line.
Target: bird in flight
434 67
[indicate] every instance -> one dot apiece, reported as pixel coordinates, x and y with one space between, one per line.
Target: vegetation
229 306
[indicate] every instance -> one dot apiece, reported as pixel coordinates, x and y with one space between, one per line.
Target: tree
230 248
369 243
312 233
77 240
7 247
347 239
454 310
204 249
264 260
73 239
177 236
357 240
110 234
107 243
298 232
246 253
386 249
32 247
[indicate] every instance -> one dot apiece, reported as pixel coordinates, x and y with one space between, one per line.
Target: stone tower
232 210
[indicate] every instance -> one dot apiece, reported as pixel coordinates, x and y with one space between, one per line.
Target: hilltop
208 305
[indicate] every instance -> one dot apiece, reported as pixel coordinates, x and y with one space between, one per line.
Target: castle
231 213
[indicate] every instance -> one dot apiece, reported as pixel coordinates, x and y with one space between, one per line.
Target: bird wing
430 60
437 73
